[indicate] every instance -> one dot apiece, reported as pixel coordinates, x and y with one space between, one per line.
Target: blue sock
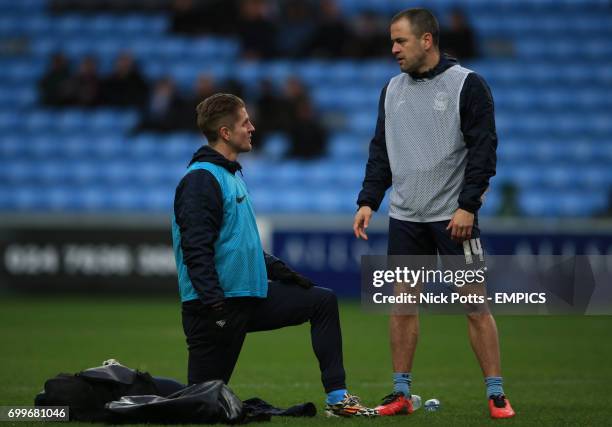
495 386
335 396
402 382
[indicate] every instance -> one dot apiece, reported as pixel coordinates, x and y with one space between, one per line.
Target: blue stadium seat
266 200
103 120
346 98
173 48
146 50
108 147
492 202
73 48
344 71
9 26
37 25
42 147
328 174
596 177
325 201
120 172
361 123
27 199
9 119
249 72
580 204
18 172
312 72
22 72
159 199
69 120
347 146
151 173
147 24
287 174
96 199
104 24
85 171
276 146
278 71
538 204
213 48
40 121
377 73
54 171
127 199
69 24
11 146
76 147
560 176
526 176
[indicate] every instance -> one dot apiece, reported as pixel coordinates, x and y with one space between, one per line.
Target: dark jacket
477 126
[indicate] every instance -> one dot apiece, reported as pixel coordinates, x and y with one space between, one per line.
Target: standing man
434 145
224 273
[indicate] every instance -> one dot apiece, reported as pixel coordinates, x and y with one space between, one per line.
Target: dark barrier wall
88 258
135 256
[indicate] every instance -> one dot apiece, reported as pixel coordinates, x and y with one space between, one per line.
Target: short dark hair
421 21
220 109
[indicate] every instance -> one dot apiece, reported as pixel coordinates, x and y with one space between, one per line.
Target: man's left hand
461 225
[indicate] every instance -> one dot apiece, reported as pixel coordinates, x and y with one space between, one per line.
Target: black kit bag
204 403
86 392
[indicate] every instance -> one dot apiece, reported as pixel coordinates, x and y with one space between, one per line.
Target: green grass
557 369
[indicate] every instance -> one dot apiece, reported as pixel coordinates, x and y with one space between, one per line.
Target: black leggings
215 339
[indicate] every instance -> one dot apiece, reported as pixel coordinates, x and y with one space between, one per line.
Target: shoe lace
392 397
352 400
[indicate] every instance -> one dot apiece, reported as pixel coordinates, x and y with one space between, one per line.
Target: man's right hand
362 220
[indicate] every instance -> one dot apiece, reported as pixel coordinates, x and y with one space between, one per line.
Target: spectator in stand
269 111
509 206
85 85
192 17
233 86
330 39
307 136
294 92
187 18
256 30
296 29
164 110
371 36
126 86
204 87
54 86
458 38
290 112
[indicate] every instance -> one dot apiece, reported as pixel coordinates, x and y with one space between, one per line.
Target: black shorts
424 244
432 238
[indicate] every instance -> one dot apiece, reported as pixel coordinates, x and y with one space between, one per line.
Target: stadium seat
9 120
347 146
275 146
361 123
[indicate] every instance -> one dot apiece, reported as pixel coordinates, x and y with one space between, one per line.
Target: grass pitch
557 369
